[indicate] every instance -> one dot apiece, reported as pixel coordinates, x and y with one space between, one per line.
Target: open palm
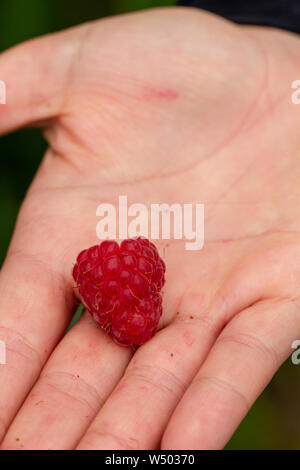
170 105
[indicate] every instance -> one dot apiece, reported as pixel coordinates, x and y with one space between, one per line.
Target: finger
36 303
36 75
74 384
136 413
242 362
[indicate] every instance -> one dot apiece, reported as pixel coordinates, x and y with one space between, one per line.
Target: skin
168 105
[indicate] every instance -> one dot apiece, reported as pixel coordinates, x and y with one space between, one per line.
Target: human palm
169 105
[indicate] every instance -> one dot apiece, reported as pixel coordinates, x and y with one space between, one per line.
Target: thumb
36 75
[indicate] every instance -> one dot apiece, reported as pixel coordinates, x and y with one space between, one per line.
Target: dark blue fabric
279 13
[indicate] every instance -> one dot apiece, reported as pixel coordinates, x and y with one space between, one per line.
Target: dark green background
273 421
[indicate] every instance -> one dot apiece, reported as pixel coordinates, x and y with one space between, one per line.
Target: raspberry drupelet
120 286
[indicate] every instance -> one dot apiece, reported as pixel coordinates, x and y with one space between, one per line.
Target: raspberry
120 286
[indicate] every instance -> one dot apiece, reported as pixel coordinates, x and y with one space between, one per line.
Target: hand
169 105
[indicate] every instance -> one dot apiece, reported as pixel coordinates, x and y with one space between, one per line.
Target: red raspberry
120 286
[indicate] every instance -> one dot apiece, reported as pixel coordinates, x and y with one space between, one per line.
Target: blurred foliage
272 423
